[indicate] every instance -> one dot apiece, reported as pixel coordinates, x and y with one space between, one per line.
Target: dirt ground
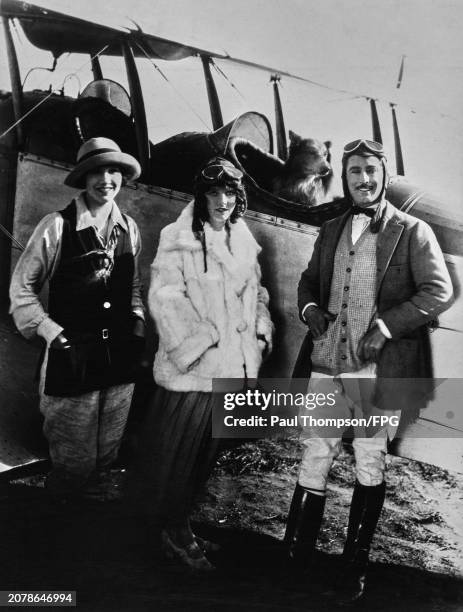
104 551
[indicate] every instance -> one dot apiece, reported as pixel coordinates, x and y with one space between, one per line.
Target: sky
352 45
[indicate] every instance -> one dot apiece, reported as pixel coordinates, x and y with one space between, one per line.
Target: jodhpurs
84 432
322 444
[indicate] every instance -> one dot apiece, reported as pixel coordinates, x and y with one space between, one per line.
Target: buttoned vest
352 299
90 296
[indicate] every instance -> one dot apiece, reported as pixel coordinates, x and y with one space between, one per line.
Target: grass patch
280 455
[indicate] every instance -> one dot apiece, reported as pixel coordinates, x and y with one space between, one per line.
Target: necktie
358 210
375 215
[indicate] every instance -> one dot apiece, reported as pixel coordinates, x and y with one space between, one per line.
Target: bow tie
358 210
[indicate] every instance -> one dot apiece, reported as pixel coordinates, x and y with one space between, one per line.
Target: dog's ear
294 138
328 144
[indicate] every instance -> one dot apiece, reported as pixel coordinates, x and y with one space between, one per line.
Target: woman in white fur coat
212 319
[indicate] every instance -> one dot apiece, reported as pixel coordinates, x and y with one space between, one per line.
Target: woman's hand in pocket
139 328
60 342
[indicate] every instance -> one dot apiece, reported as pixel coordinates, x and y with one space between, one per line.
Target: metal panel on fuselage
286 249
40 190
437 436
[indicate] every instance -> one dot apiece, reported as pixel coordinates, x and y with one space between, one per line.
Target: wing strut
395 126
15 76
398 147
282 146
96 68
138 107
375 122
212 96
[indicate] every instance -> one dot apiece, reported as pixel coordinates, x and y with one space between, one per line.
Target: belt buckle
105 334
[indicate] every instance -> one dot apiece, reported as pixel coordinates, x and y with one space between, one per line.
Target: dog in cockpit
307 174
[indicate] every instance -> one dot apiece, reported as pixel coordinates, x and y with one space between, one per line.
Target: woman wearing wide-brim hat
94 322
211 314
97 152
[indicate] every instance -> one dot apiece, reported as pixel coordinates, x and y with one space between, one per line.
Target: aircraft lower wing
21 441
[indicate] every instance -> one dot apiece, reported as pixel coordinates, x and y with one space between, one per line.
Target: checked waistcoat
352 299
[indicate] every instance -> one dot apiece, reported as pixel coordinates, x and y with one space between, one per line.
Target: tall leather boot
304 520
366 506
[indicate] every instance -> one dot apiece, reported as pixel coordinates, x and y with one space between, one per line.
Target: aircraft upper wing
60 33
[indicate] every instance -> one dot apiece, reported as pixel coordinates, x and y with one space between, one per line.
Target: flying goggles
362 146
215 172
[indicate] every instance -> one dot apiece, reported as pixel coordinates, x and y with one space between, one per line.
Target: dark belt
95 360
94 336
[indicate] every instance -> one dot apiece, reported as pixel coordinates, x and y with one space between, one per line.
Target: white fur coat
207 321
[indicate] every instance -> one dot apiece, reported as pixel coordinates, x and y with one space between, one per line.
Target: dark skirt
175 455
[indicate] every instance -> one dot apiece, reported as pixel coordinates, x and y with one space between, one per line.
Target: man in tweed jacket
376 279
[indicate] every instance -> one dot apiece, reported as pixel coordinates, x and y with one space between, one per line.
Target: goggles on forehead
375 148
215 172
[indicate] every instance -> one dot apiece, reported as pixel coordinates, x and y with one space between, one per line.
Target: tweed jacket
207 321
413 286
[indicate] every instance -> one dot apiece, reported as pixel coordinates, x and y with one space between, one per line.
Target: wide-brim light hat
97 152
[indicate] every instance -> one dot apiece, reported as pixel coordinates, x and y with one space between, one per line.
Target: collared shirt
85 219
40 259
359 224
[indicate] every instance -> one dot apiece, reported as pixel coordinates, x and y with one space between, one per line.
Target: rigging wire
251 65
307 81
31 110
3 229
229 81
233 86
349 99
385 101
21 119
156 67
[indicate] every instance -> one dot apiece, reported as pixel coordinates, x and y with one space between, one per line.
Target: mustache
364 186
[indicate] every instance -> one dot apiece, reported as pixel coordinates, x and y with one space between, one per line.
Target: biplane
40 132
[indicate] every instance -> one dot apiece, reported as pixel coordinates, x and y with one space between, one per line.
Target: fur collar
244 248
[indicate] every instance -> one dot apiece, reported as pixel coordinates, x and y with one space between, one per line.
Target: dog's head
308 157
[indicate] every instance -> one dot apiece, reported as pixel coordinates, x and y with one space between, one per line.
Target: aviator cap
364 148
